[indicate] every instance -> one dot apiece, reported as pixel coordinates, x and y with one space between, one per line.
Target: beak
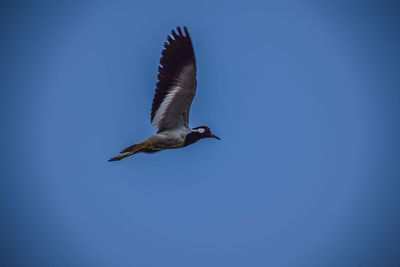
214 136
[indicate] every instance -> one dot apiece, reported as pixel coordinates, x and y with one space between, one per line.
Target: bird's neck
193 137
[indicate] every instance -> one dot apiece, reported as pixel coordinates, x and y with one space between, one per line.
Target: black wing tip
185 29
177 52
173 33
176 33
179 30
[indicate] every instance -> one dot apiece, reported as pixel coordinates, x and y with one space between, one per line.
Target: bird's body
175 91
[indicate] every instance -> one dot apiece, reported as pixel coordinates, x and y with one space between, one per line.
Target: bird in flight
175 91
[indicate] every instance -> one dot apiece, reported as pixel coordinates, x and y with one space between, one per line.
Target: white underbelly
168 139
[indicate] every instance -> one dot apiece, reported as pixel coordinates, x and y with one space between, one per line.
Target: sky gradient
304 95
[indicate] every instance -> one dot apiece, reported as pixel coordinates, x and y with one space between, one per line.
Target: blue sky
305 96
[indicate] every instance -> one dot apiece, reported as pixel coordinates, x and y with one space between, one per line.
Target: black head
199 133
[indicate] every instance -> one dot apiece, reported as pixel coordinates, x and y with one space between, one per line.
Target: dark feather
129 148
177 54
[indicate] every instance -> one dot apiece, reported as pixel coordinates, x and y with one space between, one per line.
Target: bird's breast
169 139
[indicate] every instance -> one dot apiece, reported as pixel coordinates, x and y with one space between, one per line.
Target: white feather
160 113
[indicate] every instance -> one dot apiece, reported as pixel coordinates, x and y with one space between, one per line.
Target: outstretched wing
176 84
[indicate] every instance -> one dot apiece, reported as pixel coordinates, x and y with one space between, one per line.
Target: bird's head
199 133
205 132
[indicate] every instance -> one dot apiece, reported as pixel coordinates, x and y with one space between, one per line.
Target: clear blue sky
304 95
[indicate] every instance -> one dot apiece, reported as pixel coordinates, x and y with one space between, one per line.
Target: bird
175 90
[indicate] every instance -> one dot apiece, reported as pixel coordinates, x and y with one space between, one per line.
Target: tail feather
121 157
129 148
129 151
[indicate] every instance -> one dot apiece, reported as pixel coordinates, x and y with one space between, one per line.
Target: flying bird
175 91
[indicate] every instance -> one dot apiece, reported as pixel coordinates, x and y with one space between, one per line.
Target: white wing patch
160 114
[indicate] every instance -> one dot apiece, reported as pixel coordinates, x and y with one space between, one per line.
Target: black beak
214 136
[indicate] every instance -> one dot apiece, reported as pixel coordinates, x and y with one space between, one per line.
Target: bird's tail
129 151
